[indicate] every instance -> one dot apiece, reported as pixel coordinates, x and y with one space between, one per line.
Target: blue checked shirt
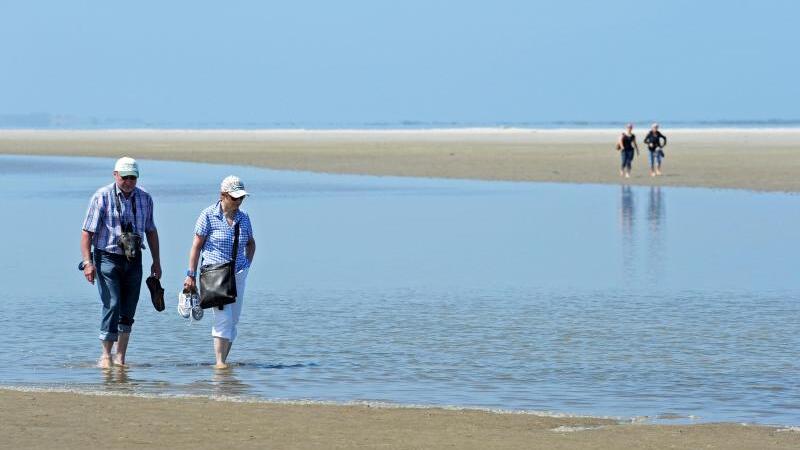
102 218
219 236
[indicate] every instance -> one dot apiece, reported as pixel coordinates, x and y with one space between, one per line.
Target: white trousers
225 320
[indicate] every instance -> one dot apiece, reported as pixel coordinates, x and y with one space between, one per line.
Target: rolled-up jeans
226 319
118 281
655 157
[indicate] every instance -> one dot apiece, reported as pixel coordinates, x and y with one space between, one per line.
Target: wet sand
762 160
68 420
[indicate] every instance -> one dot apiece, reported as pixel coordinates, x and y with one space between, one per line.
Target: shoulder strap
119 208
235 251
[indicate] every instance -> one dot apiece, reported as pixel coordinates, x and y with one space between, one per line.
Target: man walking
117 216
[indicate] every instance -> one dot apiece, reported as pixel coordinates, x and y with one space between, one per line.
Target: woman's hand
189 285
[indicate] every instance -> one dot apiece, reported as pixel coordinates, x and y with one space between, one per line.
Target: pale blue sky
311 62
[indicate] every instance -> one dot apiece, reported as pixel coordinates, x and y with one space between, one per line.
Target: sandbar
752 159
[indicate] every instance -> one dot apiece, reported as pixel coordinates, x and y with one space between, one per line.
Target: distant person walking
214 237
626 145
118 215
655 144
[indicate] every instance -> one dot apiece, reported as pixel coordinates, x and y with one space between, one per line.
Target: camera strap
119 209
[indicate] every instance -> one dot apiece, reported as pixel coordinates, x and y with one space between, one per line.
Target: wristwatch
191 273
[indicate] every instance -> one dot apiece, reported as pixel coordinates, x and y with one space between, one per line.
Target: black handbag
218 281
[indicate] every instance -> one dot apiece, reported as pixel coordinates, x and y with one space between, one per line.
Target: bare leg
227 350
105 356
221 348
122 347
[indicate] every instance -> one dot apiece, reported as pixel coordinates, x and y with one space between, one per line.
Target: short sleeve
93 212
202 226
248 225
150 224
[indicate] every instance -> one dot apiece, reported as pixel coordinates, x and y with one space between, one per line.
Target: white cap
127 166
233 186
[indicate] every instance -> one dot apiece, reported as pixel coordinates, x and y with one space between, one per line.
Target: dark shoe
156 292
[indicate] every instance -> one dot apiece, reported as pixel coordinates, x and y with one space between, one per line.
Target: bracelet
191 273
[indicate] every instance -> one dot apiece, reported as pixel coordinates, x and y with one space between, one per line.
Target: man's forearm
152 241
86 245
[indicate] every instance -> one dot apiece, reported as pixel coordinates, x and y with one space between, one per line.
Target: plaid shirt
219 236
102 218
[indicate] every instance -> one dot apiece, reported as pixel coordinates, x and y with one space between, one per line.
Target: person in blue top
213 241
118 213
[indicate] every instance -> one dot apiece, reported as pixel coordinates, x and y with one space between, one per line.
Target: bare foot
221 366
119 360
104 362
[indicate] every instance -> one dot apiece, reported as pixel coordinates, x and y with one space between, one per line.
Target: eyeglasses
129 178
235 198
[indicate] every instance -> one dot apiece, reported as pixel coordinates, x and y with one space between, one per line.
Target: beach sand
762 160
68 420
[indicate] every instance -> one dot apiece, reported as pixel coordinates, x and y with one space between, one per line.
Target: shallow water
669 303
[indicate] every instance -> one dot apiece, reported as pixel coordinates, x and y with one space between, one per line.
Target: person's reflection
655 209
655 233
627 225
226 383
116 379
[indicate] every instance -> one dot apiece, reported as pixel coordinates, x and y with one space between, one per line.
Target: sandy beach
68 420
758 159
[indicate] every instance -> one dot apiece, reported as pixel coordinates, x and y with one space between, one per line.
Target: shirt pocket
218 237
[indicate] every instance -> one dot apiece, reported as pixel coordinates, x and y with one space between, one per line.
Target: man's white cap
233 186
127 166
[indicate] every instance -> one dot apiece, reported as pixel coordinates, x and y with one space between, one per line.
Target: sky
349 62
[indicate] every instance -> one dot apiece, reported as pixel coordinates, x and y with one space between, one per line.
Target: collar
120 194
221 215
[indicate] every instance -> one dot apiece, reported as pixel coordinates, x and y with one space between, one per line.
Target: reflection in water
226 383
117 379
655 209
655 234
627 221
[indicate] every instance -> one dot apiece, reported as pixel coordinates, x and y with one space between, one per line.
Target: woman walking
214 237
626 146
655 144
